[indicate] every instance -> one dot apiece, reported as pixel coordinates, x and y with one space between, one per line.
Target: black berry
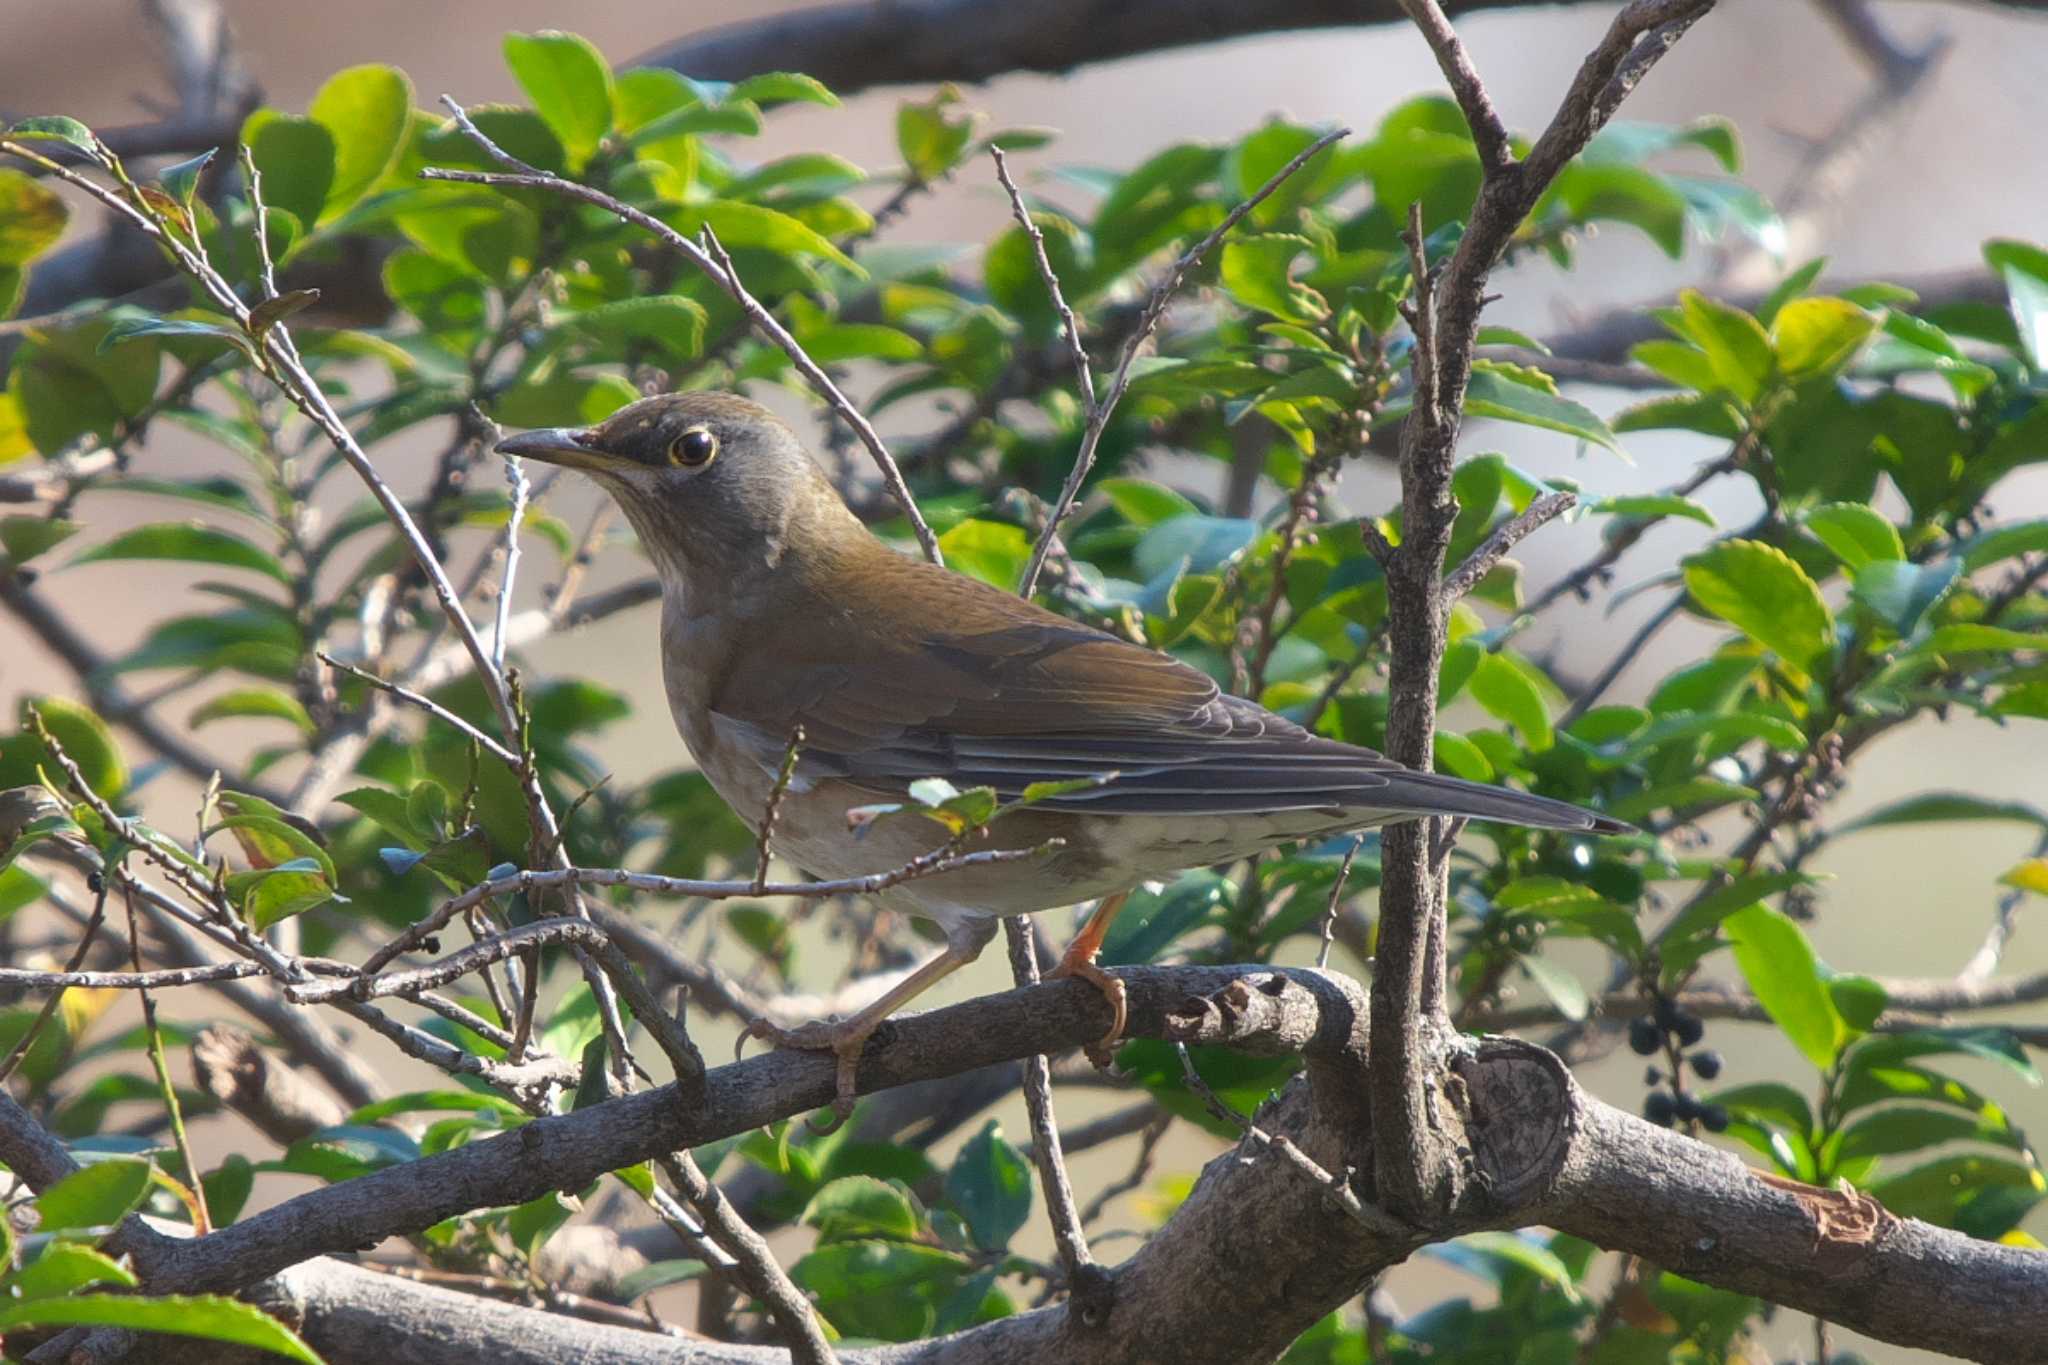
1685 1106
1653 1076
1707 1064
1667 1013
1690 1028
1714 1118
1644 1037
1660 1107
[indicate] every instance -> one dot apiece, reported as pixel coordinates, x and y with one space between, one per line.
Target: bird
783 615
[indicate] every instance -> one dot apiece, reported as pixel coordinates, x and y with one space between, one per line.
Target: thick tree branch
1417 1163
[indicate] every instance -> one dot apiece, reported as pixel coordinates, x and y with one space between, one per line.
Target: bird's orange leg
1079 961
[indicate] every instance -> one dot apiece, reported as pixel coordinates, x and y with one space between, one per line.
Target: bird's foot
1102 1050
843 1038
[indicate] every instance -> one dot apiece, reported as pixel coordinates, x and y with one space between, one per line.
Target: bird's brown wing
984 689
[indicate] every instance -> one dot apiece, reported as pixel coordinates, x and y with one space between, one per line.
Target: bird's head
717 486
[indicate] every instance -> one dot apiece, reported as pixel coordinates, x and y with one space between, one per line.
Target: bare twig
773 807
20 978
711 258
426 704
927 865
1336 898
1067 1233
757 1265
515 475
202 1220
1511 533
1099 413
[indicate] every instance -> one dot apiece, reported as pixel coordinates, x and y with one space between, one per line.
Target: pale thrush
781 610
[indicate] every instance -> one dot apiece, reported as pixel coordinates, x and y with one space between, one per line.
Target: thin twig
711 258
1084 378
1155 308
1336 897
1067 1233
1489 134
527 882
1510 533
426 704
515 474
773 807
757 1265
202 1219
18 978
1338 1189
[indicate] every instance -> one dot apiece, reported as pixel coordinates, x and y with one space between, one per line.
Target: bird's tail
1435 794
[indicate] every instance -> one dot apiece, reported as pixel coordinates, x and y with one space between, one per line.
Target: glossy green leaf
56 128
1901 594
1969 638
1738 350
268 895
1489 395
1506 692
784 87
295 158
2024 268
1855 533
931 135
765 229
1257 271
1564 988
253 702
65 1268
1648 505
191 543
1816 337
2004 542
94 1197
32 217
207 1316
22 538
82 735
570 85
861 1206
564 400
1786 978
1152 921
658 1275
1762 592
990 1185
367 111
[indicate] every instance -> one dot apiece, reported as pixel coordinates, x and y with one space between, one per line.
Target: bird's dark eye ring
694 447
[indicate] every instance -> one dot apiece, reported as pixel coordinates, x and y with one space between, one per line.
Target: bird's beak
570 446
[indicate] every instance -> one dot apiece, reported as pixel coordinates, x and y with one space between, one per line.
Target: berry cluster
1670 1030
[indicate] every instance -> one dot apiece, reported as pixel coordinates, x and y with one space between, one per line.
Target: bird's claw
845 1044
1102 1051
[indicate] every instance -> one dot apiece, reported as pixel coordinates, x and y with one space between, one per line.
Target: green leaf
228 1187
993 551
65 1268
861 1206
1256 271
1565 990
658 1275
564 400
32 217
932 135
1490 395
1816 337
1987 1043
1942 1191
295 158
23 538
1655 505
1507 692
672 322
1969 638
1738 350
1704 915
181 181
57 128
990 1185
1901 594
1769 1102
764 229
2025 270
190 542
271 894
1937 806
784 87
2004 542
1762 591
1145 503
1789 288
885 1290
208 1316
570 86
1151 921
131 328
94 1197
1786 978
80 732
367 111
1911 1129
245 702
1855 533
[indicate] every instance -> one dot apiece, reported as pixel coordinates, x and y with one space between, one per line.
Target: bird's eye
694 447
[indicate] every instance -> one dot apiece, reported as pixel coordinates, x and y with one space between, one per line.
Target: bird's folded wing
1037 698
